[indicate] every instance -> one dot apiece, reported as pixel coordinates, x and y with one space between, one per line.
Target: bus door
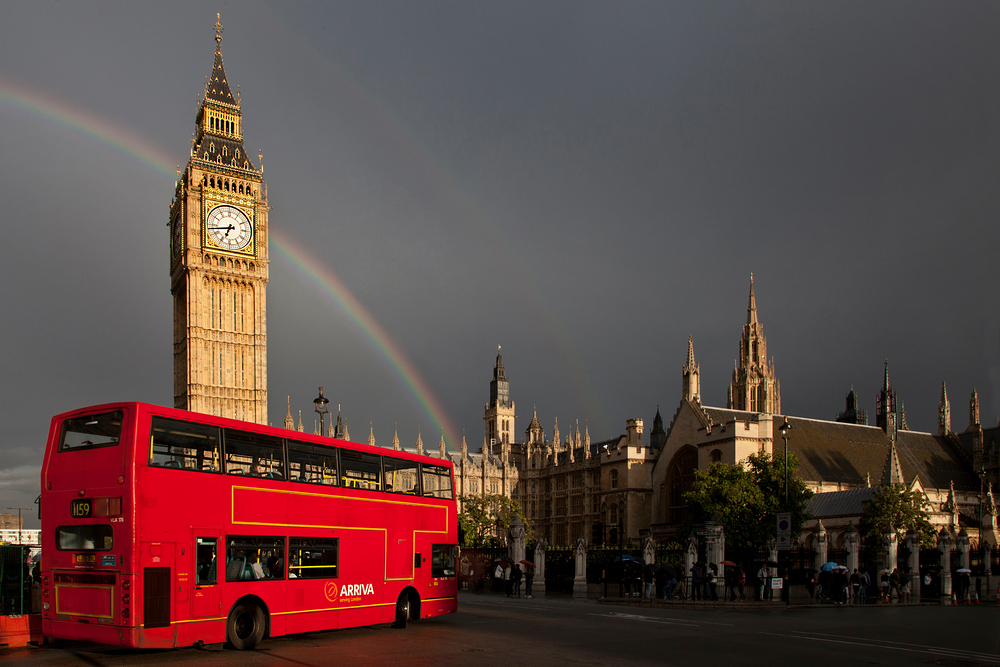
207 599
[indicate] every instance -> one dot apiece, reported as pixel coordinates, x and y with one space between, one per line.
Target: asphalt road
491 630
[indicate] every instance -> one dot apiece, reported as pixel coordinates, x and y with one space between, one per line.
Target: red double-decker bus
164 528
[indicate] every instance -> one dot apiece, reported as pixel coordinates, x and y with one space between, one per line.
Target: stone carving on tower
219 264
755 387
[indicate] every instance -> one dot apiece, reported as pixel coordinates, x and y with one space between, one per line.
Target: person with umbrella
529 576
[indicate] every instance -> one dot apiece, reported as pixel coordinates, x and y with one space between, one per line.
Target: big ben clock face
229 228
178 235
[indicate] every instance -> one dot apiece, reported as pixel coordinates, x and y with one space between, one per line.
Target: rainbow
323 278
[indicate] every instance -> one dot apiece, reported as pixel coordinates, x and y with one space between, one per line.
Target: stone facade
845 457
219 264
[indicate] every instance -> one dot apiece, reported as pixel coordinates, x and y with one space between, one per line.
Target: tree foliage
484 520
747 497
900 508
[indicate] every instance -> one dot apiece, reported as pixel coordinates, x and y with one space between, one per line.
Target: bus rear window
95 537
103 430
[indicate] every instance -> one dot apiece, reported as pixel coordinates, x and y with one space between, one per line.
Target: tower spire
944 412
690 376
755 386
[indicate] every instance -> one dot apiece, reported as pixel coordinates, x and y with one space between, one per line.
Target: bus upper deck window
184 445
103 430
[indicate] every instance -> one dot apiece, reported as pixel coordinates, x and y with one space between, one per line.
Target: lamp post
320 403
785 428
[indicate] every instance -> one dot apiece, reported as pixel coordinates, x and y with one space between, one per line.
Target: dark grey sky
586 184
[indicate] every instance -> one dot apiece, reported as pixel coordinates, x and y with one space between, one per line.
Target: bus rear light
45 580
107 507
45 606
125 613
121 479
45 592
125 599
125 584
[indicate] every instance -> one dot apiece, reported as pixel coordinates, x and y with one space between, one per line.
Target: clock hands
228 229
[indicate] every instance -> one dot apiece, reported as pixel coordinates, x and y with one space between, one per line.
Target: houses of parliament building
568 485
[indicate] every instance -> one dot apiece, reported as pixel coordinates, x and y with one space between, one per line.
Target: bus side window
183 445
254 454
313 558
316 464
208 565
360 470
400 476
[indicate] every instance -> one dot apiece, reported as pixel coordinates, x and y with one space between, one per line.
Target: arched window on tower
613 478
716 456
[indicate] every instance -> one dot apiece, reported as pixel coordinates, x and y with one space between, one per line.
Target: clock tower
219 264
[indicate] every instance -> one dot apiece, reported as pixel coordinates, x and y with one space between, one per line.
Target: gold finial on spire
218 31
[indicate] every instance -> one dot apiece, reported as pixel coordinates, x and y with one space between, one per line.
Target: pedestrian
884 581
730 578
741 581
894 585
660 581
647 580
515 575
529 578
696 585
855 585
763 579
508 581
866 583
711 582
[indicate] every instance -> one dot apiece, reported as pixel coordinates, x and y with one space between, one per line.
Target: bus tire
402 610
245 627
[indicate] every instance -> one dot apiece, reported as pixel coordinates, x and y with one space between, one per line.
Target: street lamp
320 403
785 428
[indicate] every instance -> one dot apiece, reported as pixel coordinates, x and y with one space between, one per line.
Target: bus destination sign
81 508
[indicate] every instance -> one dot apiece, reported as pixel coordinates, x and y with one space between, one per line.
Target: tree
746 498
484 520
900 508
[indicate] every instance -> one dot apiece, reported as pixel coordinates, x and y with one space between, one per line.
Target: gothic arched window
613 477
716 456
680 476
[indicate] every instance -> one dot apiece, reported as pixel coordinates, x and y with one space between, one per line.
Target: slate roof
839 503
218 87
834 452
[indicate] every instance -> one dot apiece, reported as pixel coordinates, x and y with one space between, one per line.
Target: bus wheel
402 610
245 627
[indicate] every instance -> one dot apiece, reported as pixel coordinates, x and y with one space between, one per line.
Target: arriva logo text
357 589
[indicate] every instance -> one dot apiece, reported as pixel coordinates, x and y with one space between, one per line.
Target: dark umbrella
625 558
669 571
504 559
727 562
526 562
